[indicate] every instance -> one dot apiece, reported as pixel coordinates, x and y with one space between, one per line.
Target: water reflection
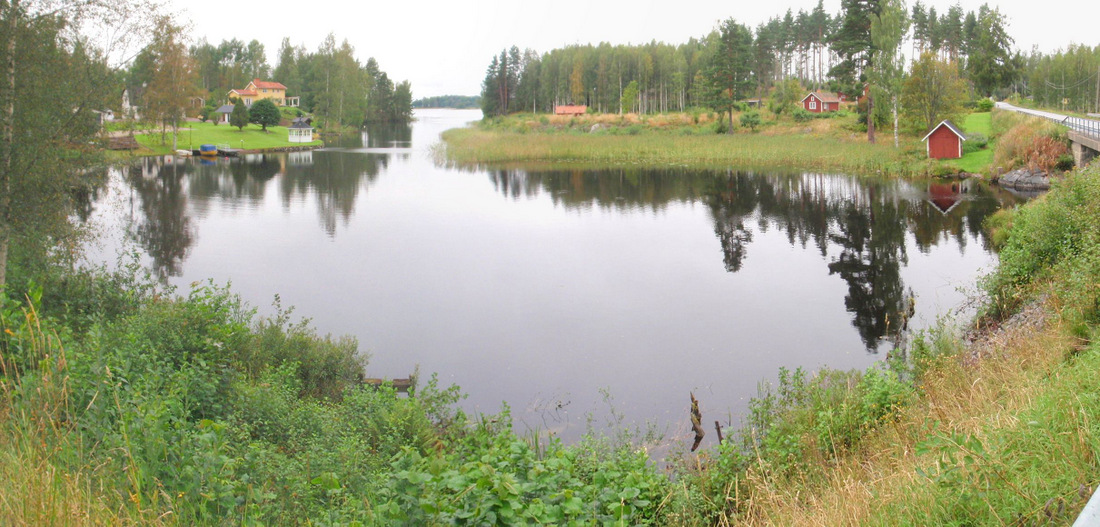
164 228
543 288
859 226
168 191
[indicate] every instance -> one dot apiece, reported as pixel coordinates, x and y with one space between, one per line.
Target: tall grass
42 481
471 146
1026 141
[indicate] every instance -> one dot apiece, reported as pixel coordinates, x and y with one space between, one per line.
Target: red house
945 141
818 102
570 110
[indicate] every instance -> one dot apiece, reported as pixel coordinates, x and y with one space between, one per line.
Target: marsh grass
475 147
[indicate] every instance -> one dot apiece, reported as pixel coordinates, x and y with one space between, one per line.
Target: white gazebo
300 132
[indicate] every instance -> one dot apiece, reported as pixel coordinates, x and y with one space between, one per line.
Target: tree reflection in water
859 226
862 223
165 228
171 190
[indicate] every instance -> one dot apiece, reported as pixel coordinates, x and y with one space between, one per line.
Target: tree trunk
7 135
894 101
870 118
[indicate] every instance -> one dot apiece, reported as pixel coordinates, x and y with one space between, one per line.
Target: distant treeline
460 102
820 50
1068 78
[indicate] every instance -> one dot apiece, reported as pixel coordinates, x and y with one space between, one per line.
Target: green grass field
251 138
976 162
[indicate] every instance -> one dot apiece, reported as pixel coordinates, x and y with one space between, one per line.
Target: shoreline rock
1025 179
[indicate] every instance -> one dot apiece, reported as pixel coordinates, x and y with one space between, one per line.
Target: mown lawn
978 161
979 123
251 138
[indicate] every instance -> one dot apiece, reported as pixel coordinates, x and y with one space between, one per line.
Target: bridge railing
1084 126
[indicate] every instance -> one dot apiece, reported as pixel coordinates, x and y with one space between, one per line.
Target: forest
332 83
869 42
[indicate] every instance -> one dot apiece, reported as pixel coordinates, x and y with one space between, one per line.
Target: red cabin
945 141
818 102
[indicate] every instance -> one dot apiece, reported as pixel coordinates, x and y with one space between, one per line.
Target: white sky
443 47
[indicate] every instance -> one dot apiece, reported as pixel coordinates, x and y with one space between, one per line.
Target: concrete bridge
1084 134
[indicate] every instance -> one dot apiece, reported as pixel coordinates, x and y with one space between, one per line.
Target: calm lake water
579 298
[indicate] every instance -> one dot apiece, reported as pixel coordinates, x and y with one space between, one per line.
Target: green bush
801 115
1055 236
975 142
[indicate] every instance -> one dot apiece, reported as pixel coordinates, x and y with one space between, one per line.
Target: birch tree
888 28
51 78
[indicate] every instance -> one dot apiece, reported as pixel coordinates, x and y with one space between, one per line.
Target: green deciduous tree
51 79
264 113
629 98
933 92
173 79
888 28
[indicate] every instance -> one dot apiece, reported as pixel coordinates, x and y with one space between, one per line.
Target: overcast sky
444 46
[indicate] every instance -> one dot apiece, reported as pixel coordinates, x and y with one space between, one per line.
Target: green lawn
979 123
251 138
976 162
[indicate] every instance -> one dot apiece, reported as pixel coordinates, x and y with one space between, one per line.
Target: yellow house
258 89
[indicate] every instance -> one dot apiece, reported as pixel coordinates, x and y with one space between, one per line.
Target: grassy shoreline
822 143
194 134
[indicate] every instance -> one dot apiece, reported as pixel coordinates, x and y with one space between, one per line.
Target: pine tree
239 116
730 71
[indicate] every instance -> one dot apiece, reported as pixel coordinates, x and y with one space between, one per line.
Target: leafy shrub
325 366
1055 236
801 115
750 120
974 142
1065 162
984 105
493 477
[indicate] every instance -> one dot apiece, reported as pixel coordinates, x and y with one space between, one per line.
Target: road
1085 126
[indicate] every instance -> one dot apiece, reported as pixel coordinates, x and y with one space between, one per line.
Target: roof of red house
267 85
823 96
950 126
251 93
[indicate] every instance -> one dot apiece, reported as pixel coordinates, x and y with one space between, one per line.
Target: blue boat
208 150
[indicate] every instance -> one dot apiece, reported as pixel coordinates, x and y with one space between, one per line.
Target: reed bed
472 146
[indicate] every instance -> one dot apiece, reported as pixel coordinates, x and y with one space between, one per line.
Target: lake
582 299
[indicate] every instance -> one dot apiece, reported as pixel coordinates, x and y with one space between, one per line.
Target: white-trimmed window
813 104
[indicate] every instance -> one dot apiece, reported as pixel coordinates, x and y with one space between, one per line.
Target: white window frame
813 103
